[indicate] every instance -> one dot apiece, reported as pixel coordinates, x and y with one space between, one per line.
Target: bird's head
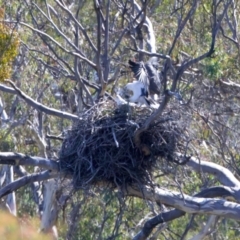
126 92
132 90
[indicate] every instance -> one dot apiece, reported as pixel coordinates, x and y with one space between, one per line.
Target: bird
121 101
147 73
135 92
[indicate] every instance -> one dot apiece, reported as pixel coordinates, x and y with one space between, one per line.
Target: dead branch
223 175
35 104
23 181
187 203
17 159
176 213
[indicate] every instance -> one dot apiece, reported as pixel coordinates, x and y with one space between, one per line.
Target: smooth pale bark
3 174
3 115
8 172
187 203
11 198
151 40
143 234
223 175
50 209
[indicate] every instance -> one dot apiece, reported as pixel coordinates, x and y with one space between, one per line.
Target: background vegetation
59 58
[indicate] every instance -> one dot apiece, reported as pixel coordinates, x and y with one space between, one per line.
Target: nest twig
100 147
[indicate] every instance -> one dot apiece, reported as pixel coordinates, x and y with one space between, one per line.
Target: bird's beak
128 93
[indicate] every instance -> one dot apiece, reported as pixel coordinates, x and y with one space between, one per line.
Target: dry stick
59 60
188 227
93 65
59 31
91 44
157 113
74 220
106 59
115 139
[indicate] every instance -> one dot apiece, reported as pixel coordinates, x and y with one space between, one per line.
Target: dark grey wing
144 93
148 101
140 72
153 76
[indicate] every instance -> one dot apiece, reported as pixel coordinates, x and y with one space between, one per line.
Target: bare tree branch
183 23
23 181
223 175
35 104
153 222
93 47
77 54
158 55
187 203
16 159
176 213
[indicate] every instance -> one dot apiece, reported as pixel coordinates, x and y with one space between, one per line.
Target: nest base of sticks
100 147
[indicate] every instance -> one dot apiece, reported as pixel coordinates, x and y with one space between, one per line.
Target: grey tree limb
17 159
223 175
168 216
153 222
188 204
36 177
35 104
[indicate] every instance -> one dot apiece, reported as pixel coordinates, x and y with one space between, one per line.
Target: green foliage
9 44
6 141
215 65
101 213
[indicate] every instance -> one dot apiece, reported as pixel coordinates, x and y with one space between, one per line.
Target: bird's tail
151 103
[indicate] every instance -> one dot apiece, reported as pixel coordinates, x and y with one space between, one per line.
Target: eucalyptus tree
74 54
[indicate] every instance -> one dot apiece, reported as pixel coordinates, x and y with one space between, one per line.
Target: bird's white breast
136 88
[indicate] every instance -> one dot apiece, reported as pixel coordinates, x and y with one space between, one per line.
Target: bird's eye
128 93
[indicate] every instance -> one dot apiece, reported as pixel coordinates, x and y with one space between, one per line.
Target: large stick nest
101 148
